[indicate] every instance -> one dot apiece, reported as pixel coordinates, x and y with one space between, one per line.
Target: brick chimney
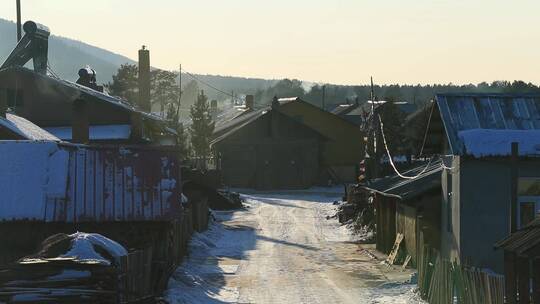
3 102
144 79
249 102
80 127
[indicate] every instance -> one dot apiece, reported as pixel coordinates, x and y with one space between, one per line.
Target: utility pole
323 96
179 94
374 159
19 33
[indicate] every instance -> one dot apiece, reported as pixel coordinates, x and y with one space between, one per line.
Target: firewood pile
60 280
77 268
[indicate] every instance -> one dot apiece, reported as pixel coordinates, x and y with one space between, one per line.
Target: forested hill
67 56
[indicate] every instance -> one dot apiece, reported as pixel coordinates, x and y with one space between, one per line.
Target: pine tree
202 127
164 89
125 83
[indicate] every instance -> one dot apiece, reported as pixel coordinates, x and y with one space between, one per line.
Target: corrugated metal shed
461 112
405 189
70 183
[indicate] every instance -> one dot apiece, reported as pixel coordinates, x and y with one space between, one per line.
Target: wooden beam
536 281
523 280
510 277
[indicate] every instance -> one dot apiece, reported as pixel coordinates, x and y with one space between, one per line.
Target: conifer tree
202 127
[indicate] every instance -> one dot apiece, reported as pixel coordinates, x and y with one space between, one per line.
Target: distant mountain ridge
67 56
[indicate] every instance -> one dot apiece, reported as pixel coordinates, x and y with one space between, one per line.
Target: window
527 213
528 200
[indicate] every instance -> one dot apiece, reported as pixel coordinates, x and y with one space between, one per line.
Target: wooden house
342 153
522 264
410 207
57 106
266 149
474 133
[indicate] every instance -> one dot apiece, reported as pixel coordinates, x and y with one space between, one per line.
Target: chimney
3 102
249 102
80 128
144 79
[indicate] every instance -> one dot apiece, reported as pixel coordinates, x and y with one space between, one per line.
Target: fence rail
444 282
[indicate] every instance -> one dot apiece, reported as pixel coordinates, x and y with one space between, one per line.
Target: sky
327 41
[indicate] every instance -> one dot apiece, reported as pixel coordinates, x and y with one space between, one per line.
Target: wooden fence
443 282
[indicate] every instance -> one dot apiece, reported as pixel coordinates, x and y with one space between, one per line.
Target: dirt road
283 249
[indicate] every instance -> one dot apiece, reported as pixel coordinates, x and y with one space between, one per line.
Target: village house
266 149
73 158
462 199
342 153
77 112
474 133
410 207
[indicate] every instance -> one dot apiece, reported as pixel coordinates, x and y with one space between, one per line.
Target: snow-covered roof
486 124
25 128
104 132
493 142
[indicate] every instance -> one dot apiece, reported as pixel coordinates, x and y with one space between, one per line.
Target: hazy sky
334 41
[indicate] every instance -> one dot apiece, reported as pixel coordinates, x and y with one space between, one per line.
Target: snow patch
492 142
83 248
26 128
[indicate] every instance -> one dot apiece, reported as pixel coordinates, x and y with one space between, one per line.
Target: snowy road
282 249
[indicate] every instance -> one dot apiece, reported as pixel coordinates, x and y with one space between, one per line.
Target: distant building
344 150
266 149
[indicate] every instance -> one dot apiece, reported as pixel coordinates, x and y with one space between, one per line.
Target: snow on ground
283 249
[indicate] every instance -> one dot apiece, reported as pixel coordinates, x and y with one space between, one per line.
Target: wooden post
80 127
536 281
19 32
510 277
514 175
3 102
523 280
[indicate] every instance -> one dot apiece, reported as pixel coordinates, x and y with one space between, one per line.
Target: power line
392 160
207 84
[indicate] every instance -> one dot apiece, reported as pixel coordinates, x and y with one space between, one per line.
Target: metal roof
405 189
85 91
461 112
25 128
229 128
523 240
